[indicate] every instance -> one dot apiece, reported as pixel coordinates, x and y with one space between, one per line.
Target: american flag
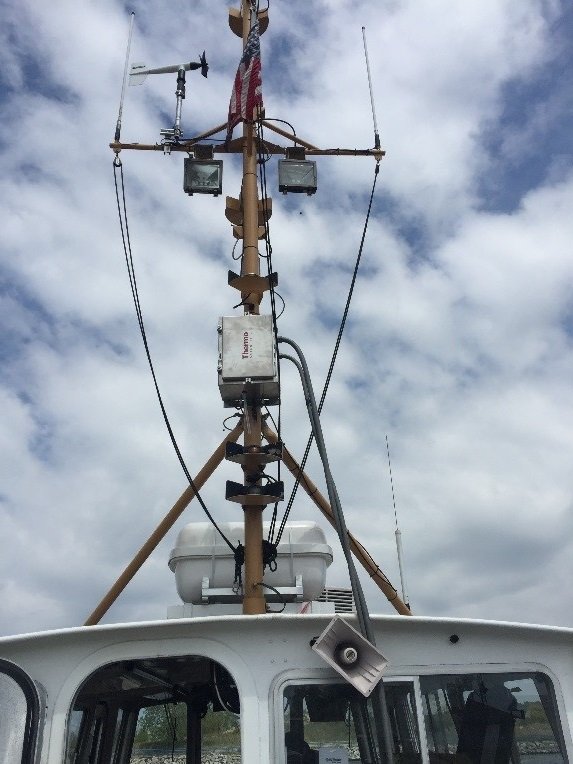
247 93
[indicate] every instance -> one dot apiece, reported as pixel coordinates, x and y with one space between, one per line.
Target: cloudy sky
459 345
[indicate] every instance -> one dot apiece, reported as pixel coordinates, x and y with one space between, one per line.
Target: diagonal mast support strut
164 526
359 551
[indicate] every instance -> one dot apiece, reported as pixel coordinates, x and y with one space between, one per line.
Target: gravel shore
214 757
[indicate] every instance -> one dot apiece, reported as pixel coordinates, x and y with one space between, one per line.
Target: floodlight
203 176
297 176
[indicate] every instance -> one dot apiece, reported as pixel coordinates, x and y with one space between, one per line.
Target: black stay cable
135 294
350 293
333 359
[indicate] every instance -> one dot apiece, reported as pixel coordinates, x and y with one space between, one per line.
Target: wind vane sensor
138 75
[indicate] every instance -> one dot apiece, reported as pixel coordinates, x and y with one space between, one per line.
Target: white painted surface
264 652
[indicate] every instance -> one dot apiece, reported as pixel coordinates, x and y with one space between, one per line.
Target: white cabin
250 689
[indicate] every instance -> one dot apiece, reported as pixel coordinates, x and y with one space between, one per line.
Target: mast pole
254 599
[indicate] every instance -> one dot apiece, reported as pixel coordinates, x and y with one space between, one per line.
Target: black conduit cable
284 122
333 497
279 595
380 708
334 355
269 252
239 562
135 294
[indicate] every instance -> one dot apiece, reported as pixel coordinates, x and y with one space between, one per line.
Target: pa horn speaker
349 653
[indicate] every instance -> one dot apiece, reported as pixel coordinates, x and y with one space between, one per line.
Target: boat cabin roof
255 662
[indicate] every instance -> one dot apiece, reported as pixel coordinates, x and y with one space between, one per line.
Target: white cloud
459 338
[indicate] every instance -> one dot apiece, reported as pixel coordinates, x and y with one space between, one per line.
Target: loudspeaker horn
349 653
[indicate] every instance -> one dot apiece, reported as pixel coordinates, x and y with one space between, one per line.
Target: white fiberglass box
200 553
247 359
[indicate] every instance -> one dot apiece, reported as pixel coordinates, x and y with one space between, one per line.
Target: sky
459 342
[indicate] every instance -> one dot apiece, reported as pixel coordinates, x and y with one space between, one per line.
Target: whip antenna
118 125
398 535
376 134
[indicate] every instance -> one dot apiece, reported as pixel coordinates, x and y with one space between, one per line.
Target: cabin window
19 715
182 709
500 718
74 727
334 722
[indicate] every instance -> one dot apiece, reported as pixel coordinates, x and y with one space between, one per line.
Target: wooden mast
254 598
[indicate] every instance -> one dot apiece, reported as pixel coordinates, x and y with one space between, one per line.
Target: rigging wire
123 222
334 355
235 257
270 416
231 416
281 298
244 301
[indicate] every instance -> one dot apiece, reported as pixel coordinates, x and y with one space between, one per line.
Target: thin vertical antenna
118 125
398 534
376 134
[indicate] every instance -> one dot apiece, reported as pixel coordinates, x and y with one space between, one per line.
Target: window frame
302 677
413 674
116 748
509 668
32 725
